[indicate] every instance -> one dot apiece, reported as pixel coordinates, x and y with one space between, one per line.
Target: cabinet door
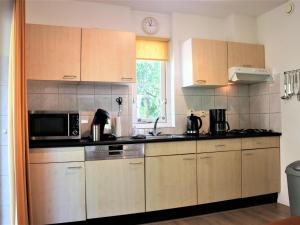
115 187
52 52
209 62
260 172
57 192
107 56
219 176
170 182
246 55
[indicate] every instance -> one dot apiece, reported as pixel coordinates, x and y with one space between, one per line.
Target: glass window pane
149 89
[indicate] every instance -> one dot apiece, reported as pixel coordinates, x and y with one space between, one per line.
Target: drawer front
260 142
219 145
49 155
170 148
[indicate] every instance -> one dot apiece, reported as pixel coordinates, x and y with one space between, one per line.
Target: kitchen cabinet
57 187
246 55
170 181
260 171
108 56
52 52
218 176
204 63
170 148
115 187
57 192
219 145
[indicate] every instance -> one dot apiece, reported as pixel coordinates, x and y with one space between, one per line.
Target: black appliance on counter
101 118
217 122
194 123
53 125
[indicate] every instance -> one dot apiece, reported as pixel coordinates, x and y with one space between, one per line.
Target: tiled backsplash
248 106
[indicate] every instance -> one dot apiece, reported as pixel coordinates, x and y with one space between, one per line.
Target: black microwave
53 125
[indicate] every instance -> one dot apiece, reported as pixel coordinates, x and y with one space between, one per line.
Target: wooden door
108 56
246 55
260 172
52 52
170 182
219 176
57 192
209 62
115 187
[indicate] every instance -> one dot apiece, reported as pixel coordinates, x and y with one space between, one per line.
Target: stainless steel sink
165 136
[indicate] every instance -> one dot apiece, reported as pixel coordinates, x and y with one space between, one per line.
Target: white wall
5 20
281 36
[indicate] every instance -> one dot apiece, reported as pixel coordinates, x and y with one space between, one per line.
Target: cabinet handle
189 158
74 167
201 81
69 77
247 66
220 146
258 143
248 154
206 157
126 78
135 163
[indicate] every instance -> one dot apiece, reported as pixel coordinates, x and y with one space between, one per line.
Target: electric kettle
194 123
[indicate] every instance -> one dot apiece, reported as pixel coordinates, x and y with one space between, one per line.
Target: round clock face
150 25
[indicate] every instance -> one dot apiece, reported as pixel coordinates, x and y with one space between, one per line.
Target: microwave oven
53 125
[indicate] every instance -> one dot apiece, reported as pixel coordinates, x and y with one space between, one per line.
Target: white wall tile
34 102
3 160
124 106
193 102
4 100
243 90
245 121
207 102
260 121
221 102
221 91
180 123
103 102
259 104
275 122
47 87
275 85
232 90
275 104
234 121
103 89
244 104
3 130
67 102
86 89
233 105
180 105
48 101
120 89
86 102
259 89
67 89
198 91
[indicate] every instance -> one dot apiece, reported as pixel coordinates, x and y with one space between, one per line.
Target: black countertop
129 140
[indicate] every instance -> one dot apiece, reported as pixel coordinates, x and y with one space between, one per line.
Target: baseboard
169 214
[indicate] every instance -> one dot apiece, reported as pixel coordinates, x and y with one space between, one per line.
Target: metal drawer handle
66 77
201 81
189 158
135 163
127 78
206 157
219 146
74 167
248 154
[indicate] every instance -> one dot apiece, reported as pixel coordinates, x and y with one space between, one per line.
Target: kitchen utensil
285 96
298 78
119 100
289 85
194 123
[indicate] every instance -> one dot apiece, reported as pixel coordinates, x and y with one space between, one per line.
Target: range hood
245 75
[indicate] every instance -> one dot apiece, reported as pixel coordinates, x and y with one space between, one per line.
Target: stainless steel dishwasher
114 180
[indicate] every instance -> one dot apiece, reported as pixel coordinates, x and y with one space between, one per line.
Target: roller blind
152 49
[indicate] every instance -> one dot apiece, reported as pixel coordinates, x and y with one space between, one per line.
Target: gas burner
249 131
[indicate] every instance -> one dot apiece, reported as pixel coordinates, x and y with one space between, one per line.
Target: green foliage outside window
148 89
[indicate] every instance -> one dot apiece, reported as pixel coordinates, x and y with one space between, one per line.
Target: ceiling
214 8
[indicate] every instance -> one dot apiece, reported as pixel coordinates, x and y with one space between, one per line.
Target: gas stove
250 131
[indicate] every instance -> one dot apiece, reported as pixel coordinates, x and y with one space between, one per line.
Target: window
152 82
150 90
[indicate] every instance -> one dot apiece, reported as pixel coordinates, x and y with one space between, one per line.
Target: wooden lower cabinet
260 171
170 181
218 176
115 187
57 192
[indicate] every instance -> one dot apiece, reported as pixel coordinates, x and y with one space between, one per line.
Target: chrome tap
154 131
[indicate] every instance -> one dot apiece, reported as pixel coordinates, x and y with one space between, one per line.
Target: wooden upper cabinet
52 52
246 55
204 62
108 56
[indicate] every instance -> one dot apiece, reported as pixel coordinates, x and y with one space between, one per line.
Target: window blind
152 48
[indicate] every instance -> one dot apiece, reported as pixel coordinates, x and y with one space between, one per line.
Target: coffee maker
217 122
100 119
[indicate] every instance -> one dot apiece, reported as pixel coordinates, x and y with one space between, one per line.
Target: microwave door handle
68 125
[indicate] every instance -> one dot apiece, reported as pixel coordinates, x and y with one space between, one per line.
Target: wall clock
150 25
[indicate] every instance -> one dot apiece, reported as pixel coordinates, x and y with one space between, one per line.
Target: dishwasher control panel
115 151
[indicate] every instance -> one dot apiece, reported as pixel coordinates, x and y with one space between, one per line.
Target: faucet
154 131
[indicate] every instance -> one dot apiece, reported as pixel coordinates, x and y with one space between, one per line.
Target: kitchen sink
165 136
